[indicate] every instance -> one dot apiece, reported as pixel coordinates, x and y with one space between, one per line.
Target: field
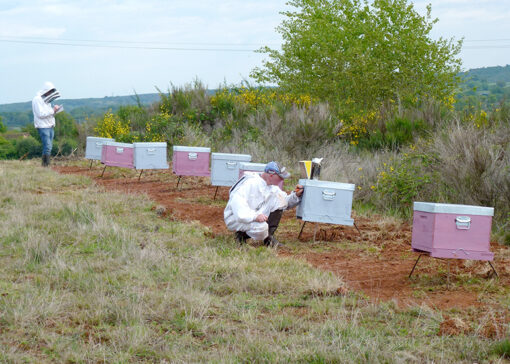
112 269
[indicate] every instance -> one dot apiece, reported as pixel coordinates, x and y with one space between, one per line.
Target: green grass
93 276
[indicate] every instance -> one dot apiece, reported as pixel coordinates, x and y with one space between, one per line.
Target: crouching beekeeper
44 118
256 205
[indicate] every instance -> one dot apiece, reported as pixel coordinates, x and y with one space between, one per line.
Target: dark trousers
273 220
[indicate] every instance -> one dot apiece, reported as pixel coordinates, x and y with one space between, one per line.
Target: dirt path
377 262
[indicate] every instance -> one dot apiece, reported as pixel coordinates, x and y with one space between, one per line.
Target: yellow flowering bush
111 126
357 128
225 101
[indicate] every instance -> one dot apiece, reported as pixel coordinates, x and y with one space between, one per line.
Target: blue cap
275 168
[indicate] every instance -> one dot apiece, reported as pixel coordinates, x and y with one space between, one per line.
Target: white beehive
94 147
225 168
150 155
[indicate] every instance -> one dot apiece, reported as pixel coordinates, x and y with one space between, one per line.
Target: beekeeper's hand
261 218
299 190
55 108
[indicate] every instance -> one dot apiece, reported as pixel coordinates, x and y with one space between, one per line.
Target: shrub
28 147
66 146
111 126
402 182
7 149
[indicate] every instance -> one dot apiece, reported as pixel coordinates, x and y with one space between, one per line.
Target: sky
99 48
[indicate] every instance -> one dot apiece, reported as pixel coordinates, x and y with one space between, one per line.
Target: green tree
357 54
65 126
3 128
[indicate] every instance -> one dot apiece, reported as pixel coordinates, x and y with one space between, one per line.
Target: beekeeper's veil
49 92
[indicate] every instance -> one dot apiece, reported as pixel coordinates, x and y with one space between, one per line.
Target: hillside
487 86
19 114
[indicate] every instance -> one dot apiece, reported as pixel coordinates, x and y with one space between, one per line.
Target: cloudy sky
100 48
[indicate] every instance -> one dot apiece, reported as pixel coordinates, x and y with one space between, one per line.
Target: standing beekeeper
256 205
44 118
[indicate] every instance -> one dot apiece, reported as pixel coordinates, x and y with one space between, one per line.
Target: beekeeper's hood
49 92
48 86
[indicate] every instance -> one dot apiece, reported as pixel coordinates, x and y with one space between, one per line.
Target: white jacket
44 115
250 197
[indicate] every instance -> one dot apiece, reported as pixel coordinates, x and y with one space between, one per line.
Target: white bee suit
44 115
250 197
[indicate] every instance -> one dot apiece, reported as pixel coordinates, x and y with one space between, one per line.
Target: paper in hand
60 109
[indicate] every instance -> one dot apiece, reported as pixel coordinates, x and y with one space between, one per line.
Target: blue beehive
225 168
150 156
95 146
326 202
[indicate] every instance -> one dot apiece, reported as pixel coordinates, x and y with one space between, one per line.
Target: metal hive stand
315 230
417 260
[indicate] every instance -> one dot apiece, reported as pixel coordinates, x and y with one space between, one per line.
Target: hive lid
453 209
93 138
182 148
327 184
249 166
150 144
230 156
117 144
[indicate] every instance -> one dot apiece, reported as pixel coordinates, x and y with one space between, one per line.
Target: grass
94 276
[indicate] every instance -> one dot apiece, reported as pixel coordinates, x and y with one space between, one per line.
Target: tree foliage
356 54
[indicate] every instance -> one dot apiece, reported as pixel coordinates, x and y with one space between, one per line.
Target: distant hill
489 74
19 114
488 87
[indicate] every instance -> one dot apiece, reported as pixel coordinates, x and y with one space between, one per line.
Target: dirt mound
375 260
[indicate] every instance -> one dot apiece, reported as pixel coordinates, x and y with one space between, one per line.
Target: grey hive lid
232 157
327 184
117 144
445 208
182 148
150 144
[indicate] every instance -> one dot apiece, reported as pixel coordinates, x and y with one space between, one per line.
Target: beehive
191 161
326 202
452 231
150 156
94 147
225 168
116 154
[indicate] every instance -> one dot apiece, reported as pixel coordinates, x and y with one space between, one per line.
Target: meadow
90 275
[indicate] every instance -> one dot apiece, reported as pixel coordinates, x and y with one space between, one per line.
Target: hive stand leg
103 171
90 167
302 227
179 180
494 269
448 276
414 266
216 192
314 232
140 175
356 226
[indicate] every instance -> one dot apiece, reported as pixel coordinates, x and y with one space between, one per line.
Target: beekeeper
256 205
44 118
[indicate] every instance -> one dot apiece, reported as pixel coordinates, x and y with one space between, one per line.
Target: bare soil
375 263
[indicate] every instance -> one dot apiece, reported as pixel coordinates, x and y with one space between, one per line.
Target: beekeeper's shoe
241 237
272 242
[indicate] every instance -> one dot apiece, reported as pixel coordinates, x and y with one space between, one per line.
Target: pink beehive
118 155
191 161
452 231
